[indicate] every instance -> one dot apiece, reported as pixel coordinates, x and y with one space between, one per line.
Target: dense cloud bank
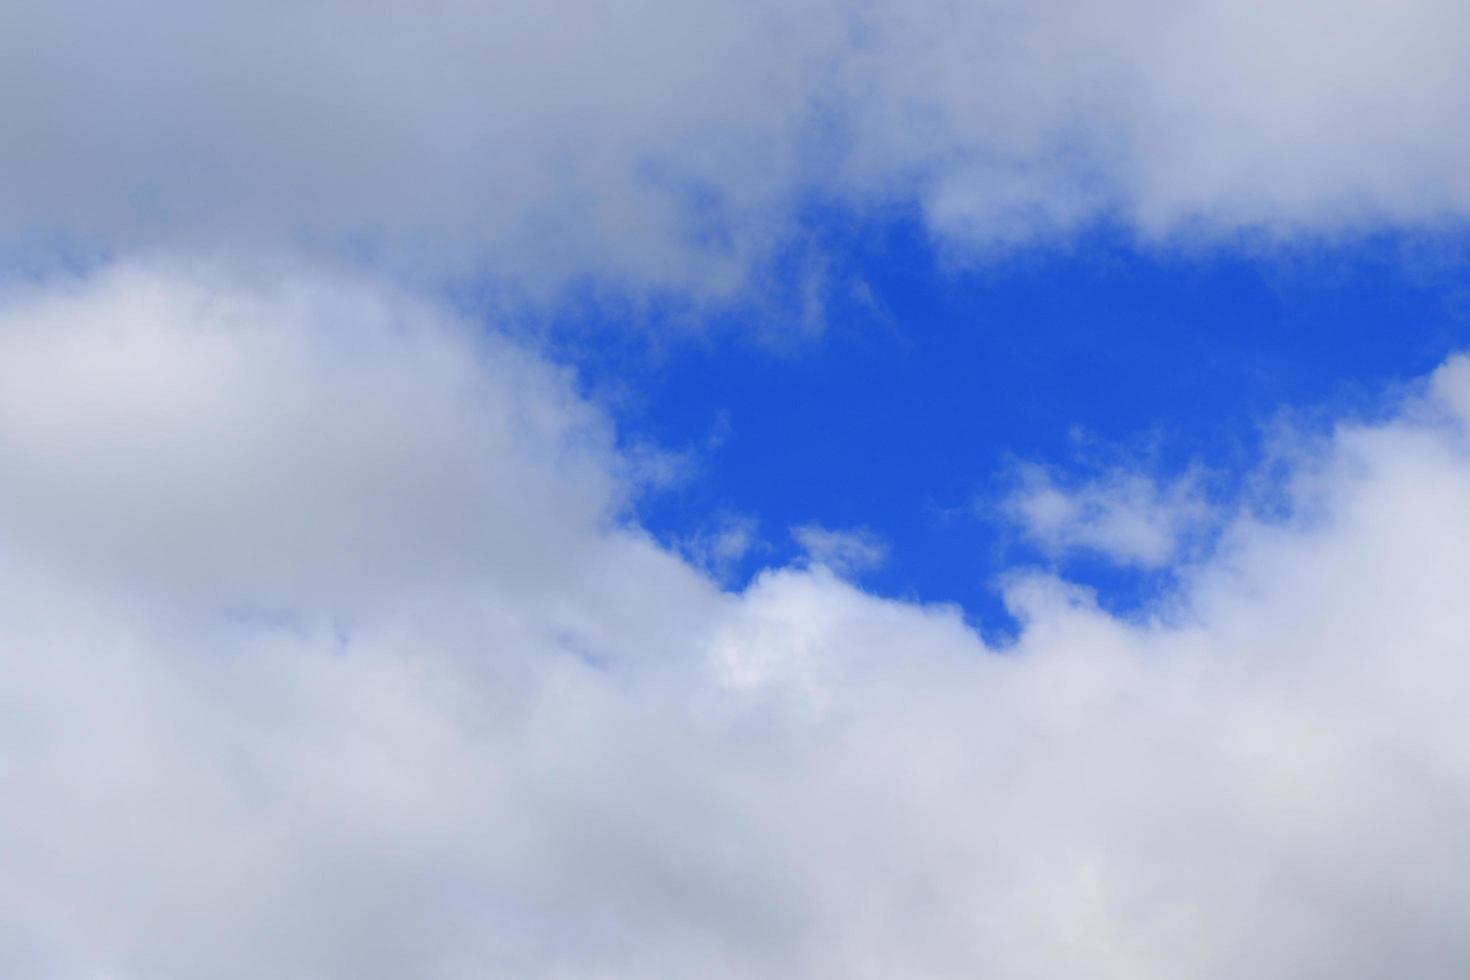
329 651
669 146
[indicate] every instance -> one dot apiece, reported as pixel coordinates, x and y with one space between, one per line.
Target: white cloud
303 435
1125 515
855 550
324 654
669 146
720 547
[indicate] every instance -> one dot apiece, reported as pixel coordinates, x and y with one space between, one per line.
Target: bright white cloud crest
240 737
671 145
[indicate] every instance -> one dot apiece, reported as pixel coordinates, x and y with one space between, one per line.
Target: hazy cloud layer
327 654
670 146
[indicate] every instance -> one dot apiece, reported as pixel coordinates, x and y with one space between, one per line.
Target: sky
650 489
923 412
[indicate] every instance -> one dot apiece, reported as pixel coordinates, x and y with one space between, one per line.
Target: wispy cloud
848 551
1127 515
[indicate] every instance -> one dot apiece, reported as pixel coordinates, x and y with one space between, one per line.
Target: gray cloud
668 147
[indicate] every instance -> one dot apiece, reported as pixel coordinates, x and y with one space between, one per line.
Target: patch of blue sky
932 380
43 253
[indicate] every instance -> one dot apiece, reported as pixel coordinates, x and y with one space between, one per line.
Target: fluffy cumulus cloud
656 145
329 650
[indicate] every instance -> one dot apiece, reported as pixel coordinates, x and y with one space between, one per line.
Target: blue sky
928 381
736 489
